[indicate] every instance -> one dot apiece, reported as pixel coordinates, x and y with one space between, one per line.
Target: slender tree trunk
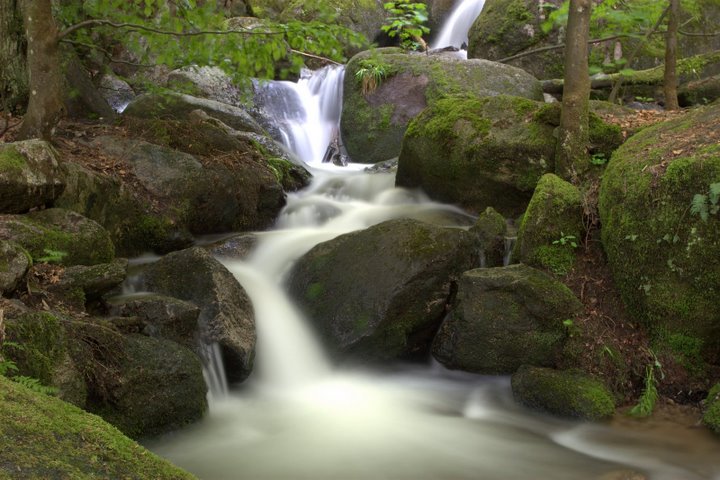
670 79
13 74
45 107
574 132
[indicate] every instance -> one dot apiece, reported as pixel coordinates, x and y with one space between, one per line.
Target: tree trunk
45 107
670 80
13 74
571 152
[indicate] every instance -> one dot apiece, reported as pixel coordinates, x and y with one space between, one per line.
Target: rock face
503 318
551 225
661 228
478 152
508 27
14 264
373 122
30 176
162 388
44 437
74 239
562 393
381 293
226 314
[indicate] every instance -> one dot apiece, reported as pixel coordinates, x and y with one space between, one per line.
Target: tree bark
45 107
670 79
573 138
13 74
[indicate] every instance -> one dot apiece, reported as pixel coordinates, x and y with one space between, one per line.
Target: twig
107 54
317 57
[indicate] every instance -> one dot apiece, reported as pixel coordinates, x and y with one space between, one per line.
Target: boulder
503 318
226 314
87 283
491 229
177 106
161 388
162 316
14 264
237 247
552 226
59 235
116 92
566 394
30 176
44 437
211 83
478 152
508 27
381 293
711 416
661 227
374 119
699 92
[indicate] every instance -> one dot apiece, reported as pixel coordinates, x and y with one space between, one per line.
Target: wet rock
116 92
491 229
237 247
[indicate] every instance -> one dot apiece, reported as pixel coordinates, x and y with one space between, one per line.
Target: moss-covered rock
508 27
491 229
711 417
38 344
373 123
699 92
67 236
14 264
478 152
44 437
552 226
30 176
87 283
503 318
565 394
663 254
162 388
389 304
226 314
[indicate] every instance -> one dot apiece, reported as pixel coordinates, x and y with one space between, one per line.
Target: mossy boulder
552 226
82 284
14 264
381 293
43 233
699 92
663 251
711 417
478 152
503 318
373 122
44 437
30 176
205 82
491 230
162 388
566 394
226 314
508 27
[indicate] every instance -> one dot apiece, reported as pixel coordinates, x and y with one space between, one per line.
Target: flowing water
299 417
455 31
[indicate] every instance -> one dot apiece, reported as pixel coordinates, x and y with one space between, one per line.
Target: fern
34 385
699 206
7 366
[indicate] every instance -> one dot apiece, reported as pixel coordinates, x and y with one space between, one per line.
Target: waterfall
307 113
509 246
455 31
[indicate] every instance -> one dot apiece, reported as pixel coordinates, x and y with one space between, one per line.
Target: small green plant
566 240
644 99
571 328
598 159
407 22
707 204
52 256
370 74
649 396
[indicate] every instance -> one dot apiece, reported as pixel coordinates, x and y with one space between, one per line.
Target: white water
300 418
455 31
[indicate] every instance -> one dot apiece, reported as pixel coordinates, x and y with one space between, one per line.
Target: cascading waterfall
455 31
298 418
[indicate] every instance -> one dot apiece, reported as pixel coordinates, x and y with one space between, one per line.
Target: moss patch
11 161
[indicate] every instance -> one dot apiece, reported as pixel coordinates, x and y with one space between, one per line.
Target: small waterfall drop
509 247
455 31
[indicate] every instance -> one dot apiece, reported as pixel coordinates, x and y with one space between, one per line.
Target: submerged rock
503 318
382 292
562 393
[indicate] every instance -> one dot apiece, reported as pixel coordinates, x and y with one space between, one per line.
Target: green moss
711 417
11 161
44 437
39 345
314 290
605 138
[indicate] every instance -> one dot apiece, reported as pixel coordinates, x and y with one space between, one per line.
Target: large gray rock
86 283
478 152
177 106
14 264
30 176
503 318
64 236
373 123
381 293
205 82
226 314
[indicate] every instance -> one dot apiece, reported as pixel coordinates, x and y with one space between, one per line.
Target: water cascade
455 31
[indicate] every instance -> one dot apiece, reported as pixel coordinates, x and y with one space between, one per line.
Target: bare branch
106 53
561 46
317 57
694 34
